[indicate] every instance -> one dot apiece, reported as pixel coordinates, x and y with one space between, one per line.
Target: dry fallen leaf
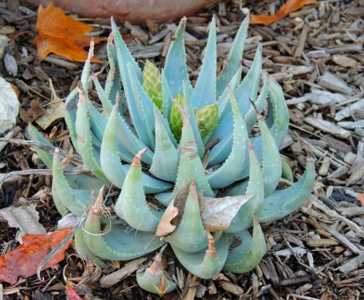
24 217
24 260
53 112
113 278
283 11
9 106
32 113
62 35
360 197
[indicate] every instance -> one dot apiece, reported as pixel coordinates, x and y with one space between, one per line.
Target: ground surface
315 253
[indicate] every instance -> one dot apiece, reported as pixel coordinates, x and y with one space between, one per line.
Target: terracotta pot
136 11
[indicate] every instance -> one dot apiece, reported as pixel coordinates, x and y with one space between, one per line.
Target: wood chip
302 41
231 288
352 125
344 61
349 110
332 83
291 251
332 213
352 264
319 97
329 127
113 278
25 217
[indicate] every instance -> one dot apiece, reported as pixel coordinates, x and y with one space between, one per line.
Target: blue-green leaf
165 158
235 57
131 204
283 202
175 69
249 253
233 167
204 92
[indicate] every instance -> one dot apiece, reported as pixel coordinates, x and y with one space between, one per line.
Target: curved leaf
64 196
131 204
249 253
165 158
233 167
175 69
118 242
206 264
190 235
204 92
234 58
255 188
283 202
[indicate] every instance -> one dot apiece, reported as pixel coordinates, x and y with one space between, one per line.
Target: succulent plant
198 165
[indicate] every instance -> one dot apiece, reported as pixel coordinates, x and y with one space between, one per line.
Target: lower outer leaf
205 264
45 156
119 242
57 200
82 249
249 253
85 138
164 198
131 204
255 188
283 202
66 197
151 283
155 279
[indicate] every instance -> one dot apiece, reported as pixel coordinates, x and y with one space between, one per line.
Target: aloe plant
191 172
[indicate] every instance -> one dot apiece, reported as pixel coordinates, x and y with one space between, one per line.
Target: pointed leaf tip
211 250
97 207
110 38
137 158
91 50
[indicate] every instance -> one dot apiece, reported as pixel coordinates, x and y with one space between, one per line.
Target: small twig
42 172
333 214
342 239
28 143
295 296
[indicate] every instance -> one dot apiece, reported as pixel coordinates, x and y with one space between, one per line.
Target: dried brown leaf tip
137 158
211 250
157 265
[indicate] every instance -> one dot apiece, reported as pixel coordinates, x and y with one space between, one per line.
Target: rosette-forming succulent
198 165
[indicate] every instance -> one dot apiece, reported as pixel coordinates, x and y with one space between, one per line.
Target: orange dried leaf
360 197
62 35
283 11
25 259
